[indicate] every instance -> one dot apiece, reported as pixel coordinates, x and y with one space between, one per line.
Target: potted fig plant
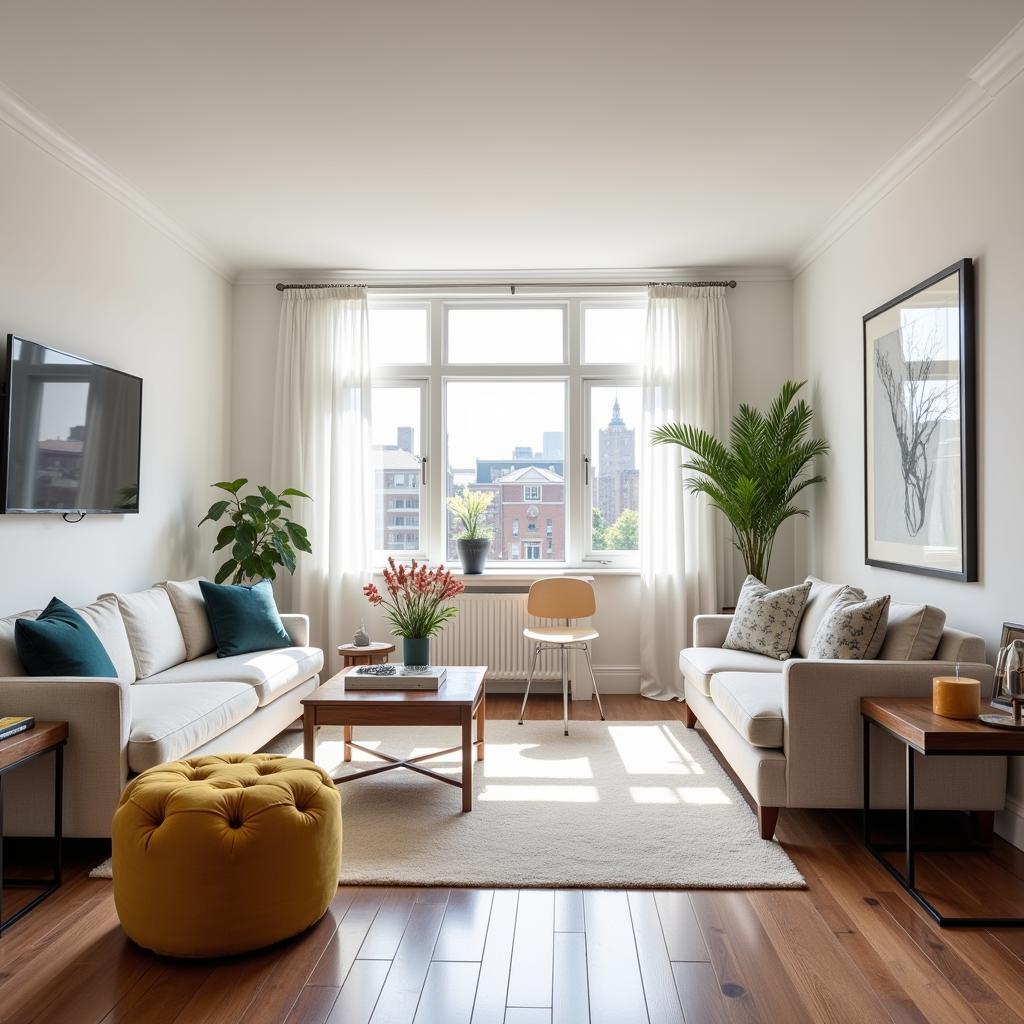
470 508
258 532
417 604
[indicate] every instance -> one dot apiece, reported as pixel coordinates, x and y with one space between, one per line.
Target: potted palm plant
470 508
753 480
416 604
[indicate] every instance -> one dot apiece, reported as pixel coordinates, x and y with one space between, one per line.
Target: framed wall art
920 471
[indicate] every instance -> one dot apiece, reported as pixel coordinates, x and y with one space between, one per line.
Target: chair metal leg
565 690
593 679
529 680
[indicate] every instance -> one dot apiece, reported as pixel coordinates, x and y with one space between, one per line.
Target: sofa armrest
297 627
710 630
98 713
824 732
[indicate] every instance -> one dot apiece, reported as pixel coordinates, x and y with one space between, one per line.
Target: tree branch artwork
918 402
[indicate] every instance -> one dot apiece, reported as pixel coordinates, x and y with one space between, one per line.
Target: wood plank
359 994
527 1015
569 910
702 998
532 951
448 993
385 934
679 925
343 949
655 969
492 986
401 992
570 997
613 971
464 928
313 1005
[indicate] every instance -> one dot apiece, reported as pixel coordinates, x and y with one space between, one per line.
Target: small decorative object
1010 683
956 696
754 480
260 534
417 604
1011 631
361 637
470 508
401 677
376 670
919 429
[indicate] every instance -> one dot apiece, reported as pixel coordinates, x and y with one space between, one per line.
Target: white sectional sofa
792 730
172 698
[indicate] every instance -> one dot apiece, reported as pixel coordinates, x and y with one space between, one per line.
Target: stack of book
11 726
396 677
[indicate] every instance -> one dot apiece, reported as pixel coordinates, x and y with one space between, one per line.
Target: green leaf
232 486
268 495
225 537
217 509
253 502
295 493
225 570
297 535
285 552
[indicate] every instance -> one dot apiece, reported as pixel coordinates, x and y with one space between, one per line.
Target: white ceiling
436 134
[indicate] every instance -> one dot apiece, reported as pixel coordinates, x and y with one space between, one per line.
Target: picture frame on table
1011 631
920 461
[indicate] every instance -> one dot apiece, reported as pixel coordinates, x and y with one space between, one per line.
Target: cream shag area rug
612 805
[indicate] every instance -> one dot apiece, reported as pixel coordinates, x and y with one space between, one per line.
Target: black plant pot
473 554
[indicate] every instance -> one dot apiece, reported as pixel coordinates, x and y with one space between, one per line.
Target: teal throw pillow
243 618
61 643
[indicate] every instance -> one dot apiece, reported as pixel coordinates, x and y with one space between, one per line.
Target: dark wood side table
912 721
42 739
461 700
372 654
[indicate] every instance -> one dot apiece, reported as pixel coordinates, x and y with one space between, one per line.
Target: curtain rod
512 288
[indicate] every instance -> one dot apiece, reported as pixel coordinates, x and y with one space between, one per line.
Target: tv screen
72 432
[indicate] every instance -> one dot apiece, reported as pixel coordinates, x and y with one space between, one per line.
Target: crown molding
31 125
483 278
985 81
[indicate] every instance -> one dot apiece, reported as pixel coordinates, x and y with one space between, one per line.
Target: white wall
968 200
80 272
761 314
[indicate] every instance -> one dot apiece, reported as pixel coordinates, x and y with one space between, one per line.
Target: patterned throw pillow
766 621
851 629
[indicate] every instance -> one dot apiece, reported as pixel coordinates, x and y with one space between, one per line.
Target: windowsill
519 574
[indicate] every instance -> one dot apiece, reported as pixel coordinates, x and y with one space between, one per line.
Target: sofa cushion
59 642
818 600
913 632
169 722
752 703
10 663
153 630
244 618
766 621
851 629
270 673
190 610
699 664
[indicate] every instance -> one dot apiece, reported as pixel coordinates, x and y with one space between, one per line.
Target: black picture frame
916 463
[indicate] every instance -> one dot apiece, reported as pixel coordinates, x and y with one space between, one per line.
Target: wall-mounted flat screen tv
71 433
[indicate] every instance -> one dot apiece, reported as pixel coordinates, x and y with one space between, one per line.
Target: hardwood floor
851 948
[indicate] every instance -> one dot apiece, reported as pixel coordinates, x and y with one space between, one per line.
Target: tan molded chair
561 597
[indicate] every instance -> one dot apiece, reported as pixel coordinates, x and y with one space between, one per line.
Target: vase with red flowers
417 602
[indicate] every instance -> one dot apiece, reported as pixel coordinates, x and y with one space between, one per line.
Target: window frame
577 377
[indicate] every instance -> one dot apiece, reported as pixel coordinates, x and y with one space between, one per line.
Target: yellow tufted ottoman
222 854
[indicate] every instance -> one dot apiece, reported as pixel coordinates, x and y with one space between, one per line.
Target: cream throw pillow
153 630
913 633
818 602
190 609
766 621
851 629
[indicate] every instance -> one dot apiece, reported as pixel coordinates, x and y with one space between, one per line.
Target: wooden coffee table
461 699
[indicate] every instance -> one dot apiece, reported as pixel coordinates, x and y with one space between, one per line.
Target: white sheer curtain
685 554
322 445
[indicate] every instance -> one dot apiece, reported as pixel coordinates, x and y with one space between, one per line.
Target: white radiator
489 631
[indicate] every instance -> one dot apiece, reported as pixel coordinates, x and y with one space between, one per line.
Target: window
512 397
614 479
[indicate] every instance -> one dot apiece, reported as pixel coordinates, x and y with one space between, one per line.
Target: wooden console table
912 721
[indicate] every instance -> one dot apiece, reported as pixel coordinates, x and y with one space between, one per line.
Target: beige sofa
792 731
172 697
